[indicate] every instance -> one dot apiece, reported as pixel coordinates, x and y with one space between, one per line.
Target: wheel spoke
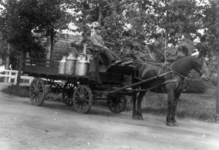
116 103
78 92
37 92
82 98
67 94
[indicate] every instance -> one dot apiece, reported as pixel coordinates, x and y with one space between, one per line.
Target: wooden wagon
78 91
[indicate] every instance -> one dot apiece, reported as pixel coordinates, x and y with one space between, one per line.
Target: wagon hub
36 90
82 98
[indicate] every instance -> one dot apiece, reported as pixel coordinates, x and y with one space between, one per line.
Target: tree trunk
7 63
20 68
51 42
217 98
100 16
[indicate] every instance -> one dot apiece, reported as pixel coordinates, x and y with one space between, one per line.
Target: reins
181 75
164 65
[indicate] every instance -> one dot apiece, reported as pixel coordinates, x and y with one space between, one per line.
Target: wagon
79 91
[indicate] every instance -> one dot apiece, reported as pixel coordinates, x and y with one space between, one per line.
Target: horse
171 84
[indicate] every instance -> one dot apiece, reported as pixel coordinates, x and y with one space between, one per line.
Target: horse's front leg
139 110
170 96
173 119
134 112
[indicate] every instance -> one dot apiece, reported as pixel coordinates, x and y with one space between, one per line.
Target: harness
160 72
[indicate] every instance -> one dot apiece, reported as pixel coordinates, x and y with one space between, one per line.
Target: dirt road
55 126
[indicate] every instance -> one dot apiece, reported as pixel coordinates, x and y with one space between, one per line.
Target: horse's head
200 66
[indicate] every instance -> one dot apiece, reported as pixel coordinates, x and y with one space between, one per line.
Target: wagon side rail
39 62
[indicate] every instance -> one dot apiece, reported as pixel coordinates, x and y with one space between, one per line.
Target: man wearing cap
97 41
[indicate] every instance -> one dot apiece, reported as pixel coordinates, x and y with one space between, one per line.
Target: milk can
82 65
62 65
90 57
70 64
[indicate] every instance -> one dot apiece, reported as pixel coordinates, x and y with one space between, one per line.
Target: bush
18 91
194 86
213 81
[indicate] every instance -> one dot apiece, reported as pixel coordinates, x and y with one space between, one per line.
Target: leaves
20 18
167 22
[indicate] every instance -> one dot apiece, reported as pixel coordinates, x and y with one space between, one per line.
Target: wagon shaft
138 83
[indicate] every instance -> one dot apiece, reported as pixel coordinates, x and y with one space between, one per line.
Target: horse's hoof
171 124
135 117
140 117
175 123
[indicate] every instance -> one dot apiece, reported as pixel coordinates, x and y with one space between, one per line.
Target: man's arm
94 41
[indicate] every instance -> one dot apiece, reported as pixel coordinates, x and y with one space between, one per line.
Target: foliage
3 49
193 84
211 23
20 18
213 81
175 22
17 91
151 22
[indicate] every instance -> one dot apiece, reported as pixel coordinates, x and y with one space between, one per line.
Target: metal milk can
82 65
70 64
90 57
62 65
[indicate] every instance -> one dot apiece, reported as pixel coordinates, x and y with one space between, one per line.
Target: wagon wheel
116 102
82 99
67 93
37 91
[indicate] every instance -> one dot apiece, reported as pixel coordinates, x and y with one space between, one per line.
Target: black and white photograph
109 74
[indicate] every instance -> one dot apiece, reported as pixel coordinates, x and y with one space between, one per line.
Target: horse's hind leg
139 110
134 112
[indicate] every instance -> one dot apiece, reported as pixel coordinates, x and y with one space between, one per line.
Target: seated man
98 43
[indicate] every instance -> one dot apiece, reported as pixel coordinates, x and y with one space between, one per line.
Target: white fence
11 77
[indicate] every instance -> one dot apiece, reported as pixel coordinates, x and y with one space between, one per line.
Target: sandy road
55 126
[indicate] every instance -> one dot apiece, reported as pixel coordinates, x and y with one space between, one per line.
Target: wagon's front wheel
82 99
116 102
37 91
68 91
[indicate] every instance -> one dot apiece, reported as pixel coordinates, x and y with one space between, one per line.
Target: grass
17 91
24 92
196 106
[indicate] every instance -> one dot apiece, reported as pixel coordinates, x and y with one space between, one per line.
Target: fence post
9 76
15 79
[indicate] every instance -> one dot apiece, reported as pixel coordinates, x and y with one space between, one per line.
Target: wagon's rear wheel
37 91
116 102
82 99
68 91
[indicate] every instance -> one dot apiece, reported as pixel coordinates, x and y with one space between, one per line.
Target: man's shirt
97 40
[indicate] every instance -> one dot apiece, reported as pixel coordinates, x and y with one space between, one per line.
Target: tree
211 36
20 18
175 22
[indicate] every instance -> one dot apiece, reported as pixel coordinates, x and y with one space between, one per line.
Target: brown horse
171 84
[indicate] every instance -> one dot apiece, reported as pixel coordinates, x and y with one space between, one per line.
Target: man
98 43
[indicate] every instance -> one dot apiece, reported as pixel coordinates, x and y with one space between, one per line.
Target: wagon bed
99 79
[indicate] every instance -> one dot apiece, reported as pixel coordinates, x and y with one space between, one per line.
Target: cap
98 27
